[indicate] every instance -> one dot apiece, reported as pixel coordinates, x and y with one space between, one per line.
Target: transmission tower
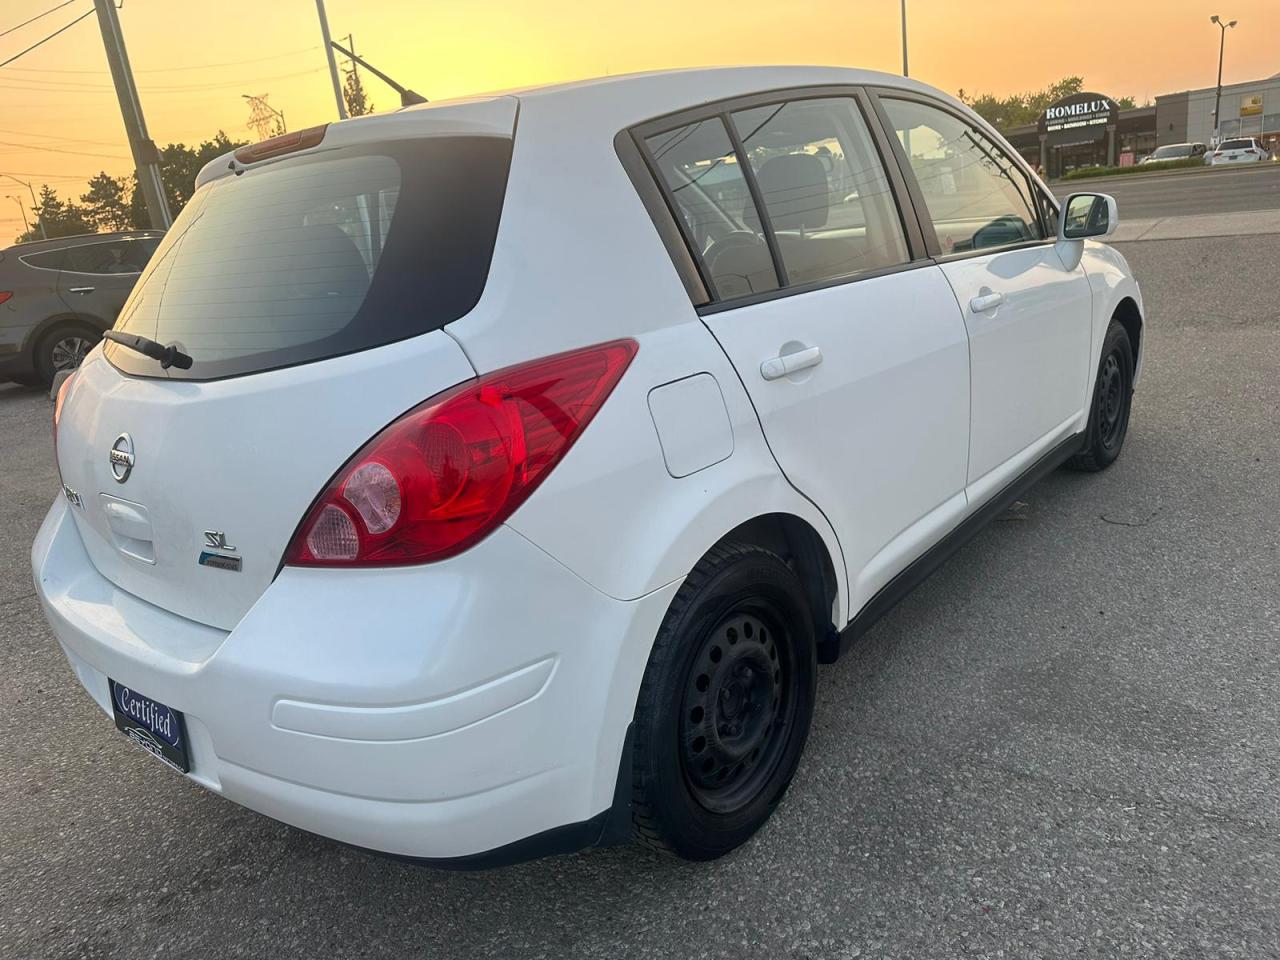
264 119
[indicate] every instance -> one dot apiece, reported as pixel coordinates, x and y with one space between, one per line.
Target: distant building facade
1089 129
1248 110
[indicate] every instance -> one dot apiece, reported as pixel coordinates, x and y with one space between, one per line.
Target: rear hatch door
310 293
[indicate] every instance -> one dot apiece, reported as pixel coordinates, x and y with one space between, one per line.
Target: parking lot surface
1065 743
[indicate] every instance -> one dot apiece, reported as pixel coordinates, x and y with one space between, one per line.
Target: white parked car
1239 150
488 479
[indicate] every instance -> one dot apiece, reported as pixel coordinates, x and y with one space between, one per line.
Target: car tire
1112 399
725 705
62 347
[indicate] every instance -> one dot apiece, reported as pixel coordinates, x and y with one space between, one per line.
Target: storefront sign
1251 105
1080 112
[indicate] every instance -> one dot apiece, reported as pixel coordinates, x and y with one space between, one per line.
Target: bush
1085 172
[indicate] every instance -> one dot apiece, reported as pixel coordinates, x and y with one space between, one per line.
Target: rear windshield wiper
168 356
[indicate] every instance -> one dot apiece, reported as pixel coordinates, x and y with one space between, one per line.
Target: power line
81 153
37 17
197 66
51 136
28 84
21 53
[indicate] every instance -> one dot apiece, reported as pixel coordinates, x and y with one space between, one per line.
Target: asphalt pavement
1066 743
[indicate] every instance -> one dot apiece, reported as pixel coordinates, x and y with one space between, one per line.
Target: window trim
644 179
656 197
878 94
78 246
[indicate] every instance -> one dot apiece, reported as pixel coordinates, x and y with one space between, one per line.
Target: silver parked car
57 296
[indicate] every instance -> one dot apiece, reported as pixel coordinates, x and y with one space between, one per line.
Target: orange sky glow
60 123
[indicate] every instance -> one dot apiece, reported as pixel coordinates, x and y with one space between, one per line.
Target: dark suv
57 296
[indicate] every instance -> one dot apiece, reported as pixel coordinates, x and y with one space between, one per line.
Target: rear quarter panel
579 261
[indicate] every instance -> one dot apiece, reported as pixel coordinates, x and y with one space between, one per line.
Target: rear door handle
988 301
788 363
82 289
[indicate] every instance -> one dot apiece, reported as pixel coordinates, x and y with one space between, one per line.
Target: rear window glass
1173 151
1236 145
320 255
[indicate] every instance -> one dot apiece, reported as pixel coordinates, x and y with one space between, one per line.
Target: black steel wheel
724 709
1112 399
739 704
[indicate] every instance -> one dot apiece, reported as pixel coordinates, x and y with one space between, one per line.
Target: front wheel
1112 398
725 705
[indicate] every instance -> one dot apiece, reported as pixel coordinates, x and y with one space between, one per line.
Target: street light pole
26 224
1217 100
904 39
333 61
34 205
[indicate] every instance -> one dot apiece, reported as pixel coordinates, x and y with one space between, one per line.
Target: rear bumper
438 712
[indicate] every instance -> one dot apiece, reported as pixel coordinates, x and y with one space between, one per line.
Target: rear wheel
725 705
63 348
1112 397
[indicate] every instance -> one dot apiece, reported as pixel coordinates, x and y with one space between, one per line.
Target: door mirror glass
1088 215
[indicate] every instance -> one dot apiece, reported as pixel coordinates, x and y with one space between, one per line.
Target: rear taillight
5 295
443 476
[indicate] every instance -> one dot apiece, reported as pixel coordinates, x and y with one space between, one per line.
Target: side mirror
1088 215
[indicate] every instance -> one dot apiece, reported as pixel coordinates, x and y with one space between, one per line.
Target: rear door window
116 256
321 254
824 188
704 177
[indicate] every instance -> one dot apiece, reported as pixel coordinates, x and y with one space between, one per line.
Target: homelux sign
1085 113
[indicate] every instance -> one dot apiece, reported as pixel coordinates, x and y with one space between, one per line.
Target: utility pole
146 158
904 39
1217 100
328 50
35 207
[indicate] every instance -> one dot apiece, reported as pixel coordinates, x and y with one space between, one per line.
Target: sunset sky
60 123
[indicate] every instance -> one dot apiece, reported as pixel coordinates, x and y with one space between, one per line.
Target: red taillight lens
5 295
443 476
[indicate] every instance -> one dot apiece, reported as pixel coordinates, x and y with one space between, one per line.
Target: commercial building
1089 129
1248 110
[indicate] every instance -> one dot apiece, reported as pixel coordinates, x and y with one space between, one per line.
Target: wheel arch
803 549
1129 315
44 326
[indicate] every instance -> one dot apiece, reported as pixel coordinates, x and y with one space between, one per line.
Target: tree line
1020 109
116 203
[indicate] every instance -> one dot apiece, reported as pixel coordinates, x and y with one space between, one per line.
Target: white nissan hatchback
487 479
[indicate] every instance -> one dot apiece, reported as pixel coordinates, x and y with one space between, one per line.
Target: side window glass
824 188
976 196
702 173
51 260
118 256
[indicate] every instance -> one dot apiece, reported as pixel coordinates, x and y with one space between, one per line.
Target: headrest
795 192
